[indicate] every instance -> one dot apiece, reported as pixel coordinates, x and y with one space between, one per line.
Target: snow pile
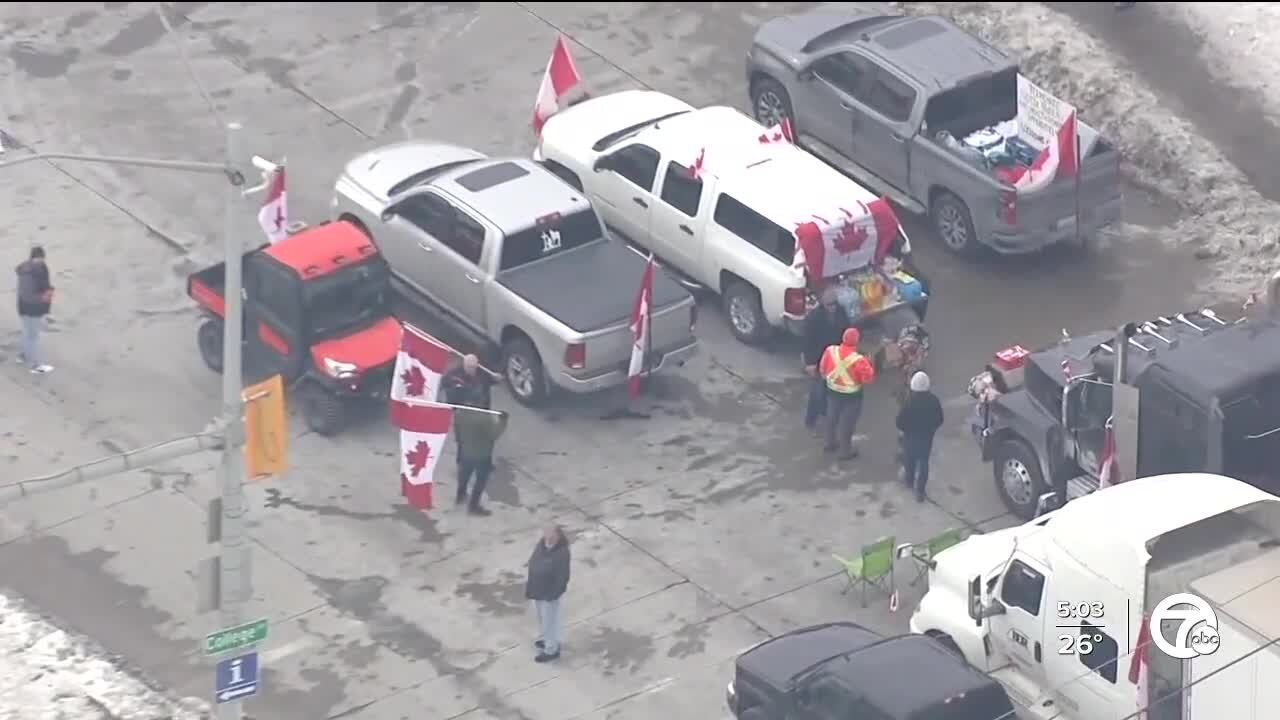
1228 220
1240 40
47 674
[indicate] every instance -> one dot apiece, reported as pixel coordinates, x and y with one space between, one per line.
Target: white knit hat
919 382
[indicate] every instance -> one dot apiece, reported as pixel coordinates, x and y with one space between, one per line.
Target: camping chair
925 554
873 566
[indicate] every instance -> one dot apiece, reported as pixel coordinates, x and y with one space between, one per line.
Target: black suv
843 671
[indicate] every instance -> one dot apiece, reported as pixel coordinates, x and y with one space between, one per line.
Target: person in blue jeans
822 328
35 297
918 421
546 585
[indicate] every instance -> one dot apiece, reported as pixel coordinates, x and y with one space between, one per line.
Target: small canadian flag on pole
274 215
560 77
641 313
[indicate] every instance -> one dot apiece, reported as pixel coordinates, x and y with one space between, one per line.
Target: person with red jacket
846 372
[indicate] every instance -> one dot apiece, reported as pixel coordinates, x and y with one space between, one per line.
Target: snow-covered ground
1240 40
49 674
1226 218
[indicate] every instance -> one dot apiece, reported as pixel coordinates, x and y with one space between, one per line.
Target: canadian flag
1057 159
560 77
423 429
847 240
274 215
421 362
778 133
1140 668
1108 472
640 316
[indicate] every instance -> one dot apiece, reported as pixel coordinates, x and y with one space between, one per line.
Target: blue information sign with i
236 678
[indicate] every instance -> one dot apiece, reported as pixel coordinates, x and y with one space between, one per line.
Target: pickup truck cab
517 257
843 671
892 101
704 191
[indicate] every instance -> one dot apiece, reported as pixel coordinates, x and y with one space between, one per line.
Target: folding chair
873 566
926 554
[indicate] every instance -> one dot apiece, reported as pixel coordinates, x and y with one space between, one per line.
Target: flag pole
1075 143
429 403
448 347
645 369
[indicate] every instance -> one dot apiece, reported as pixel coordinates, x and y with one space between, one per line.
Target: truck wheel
1018 477
323 411
770 103
209 340
746 317
522 368
954 225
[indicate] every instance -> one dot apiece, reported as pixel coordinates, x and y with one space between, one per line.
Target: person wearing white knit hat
918 421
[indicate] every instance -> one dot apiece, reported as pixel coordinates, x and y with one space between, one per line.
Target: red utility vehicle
317 310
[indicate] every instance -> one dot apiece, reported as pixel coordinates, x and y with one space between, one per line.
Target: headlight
339 369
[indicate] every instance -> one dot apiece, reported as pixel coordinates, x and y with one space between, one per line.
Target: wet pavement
696 532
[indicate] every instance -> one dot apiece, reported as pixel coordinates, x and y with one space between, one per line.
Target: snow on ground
1227 218
49 674
1240 40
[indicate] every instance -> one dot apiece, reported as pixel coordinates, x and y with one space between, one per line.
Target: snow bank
1240 39
1227 219
47 674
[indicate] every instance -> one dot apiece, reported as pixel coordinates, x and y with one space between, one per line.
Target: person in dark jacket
35 298
468 384
918 420
477 432
822 328
547 583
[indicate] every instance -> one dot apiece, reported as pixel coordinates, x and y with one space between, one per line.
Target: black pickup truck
843 671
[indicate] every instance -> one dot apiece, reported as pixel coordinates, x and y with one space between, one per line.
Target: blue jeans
915 464
548 624
817 405
31 327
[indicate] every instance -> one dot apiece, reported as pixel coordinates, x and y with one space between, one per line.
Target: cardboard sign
1040 113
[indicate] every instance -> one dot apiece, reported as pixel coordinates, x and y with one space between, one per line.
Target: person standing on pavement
548 580
918 421
823 327
468 384
35 298
477 432
846 372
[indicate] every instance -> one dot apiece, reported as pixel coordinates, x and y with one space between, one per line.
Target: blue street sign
236 678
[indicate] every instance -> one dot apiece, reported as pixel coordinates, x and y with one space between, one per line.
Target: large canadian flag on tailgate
847 240
1057 159
274 215
419 366
560 77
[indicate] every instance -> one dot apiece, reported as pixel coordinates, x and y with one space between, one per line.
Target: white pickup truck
707 194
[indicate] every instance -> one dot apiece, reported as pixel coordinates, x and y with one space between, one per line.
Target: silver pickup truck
516 256
889 100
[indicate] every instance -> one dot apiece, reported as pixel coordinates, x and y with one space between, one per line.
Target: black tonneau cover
591 287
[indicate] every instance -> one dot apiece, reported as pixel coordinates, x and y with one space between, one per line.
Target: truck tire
954 224
1018 477
209 340
323 411
770 103
523 370
745 315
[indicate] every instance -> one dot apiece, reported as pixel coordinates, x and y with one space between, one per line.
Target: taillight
1009 207
575 356
793 301
693 316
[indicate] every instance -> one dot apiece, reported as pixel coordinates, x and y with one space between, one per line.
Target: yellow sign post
266 427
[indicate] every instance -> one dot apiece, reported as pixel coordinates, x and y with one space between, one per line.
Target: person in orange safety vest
846 372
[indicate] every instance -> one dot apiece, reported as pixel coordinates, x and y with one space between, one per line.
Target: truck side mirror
602 163
388 213
975 600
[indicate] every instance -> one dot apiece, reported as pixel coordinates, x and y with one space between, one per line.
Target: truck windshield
550 235
1251 436
348 300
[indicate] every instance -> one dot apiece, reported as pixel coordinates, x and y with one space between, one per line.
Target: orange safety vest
840 377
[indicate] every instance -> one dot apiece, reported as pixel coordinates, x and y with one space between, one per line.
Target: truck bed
590 288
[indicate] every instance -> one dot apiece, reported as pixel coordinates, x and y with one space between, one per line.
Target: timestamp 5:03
1081 610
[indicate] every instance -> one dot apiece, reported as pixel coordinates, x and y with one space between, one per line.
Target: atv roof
323 249
1205 366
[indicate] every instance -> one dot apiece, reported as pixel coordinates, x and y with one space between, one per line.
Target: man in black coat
547 582
822 328
468 384
918 420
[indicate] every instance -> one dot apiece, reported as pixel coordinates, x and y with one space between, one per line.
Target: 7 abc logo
1196 631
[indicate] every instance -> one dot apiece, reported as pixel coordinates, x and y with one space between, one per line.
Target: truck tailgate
1053 209
670 330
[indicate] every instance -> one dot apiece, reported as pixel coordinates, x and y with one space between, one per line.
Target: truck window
755 228
638 164
429 213
1102 654
848 72
550 236
681 190
890 96
1023 588
466 238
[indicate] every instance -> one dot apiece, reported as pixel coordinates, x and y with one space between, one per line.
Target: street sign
236 678
236 637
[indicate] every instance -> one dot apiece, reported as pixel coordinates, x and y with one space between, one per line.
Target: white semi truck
1059 609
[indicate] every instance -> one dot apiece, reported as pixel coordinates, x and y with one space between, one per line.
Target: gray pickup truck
889 100
516 256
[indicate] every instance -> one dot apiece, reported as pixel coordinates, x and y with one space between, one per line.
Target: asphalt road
697 532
